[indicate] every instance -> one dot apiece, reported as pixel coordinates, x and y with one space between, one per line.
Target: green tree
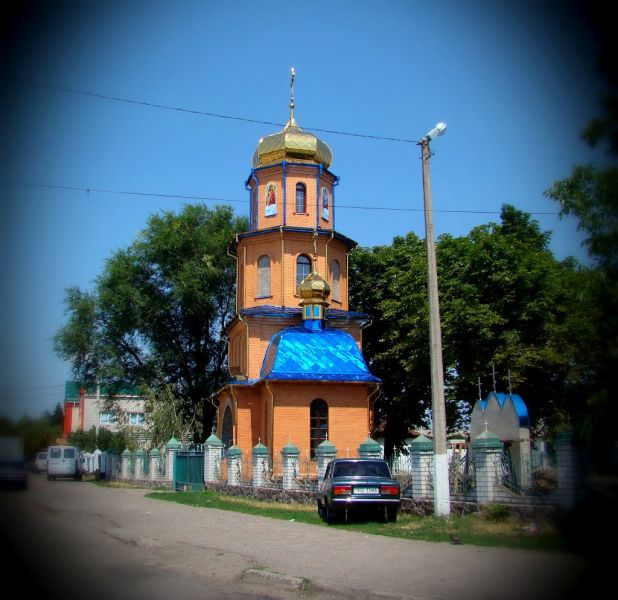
157 312
504 301
590 194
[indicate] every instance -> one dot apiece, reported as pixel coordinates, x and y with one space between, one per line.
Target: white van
63 461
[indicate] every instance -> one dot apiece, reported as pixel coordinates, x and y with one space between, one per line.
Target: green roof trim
127 452
487 439
233 451
326 447
260 450
154 452
173 443
421 444
370 445
290 450
213 440
140 452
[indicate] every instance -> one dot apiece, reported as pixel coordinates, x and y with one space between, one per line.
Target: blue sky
515 82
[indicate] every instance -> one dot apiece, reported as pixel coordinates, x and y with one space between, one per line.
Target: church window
336 281
303 268
318 424
264 276
301 198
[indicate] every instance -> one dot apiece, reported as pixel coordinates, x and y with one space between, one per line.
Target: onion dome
292 143
314 289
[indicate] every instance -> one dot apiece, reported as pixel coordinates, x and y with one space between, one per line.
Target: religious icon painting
270 207
325 203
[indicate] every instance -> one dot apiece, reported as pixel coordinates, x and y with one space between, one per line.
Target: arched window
336 279
318 428
301 198
303 268
263 276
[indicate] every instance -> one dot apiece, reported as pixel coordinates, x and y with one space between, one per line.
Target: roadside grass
495 526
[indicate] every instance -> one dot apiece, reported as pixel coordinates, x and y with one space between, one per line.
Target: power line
212 114
31 389
215 199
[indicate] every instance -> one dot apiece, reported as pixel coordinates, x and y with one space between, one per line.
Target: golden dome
292 143
314 289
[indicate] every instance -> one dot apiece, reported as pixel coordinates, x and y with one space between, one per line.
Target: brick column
325 452
170 454
212 459
421 460
125 469
289 461
259 456
570 467
154 456
370 449
138 457
487 449
234 465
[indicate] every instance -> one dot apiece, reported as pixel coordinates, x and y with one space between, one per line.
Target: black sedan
358 485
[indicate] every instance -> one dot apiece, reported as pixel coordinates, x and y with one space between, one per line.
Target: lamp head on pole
439 129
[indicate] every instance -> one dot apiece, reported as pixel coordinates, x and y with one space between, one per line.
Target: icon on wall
325 203
270 207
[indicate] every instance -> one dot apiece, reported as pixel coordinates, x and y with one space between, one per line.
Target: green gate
188 470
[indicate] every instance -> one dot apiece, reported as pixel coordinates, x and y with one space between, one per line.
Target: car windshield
361 469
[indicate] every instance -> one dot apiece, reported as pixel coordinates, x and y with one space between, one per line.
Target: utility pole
441 486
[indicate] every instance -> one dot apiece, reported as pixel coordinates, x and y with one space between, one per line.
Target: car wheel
391 515
320 510
332 516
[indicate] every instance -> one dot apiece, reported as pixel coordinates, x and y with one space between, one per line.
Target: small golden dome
292 143
314 289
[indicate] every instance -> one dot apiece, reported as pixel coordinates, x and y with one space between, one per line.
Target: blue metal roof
518 402
297 353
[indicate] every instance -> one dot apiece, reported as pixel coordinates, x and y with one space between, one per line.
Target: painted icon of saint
325 203
270 208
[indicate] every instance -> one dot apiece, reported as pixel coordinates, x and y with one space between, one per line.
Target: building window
136 418
107 417
318 424
264 276
303 268
336 279
301 198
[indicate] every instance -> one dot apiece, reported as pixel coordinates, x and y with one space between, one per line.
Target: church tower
294 347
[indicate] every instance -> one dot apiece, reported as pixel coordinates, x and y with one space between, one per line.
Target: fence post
260 463
234 465
289 460
325 452
421 458
212 459
171 448
487 449
139 464
370 449
126 457
154 455
570 467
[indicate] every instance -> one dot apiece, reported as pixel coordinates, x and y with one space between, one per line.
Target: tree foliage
157 312
506 304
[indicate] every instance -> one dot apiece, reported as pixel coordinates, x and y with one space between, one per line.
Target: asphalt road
66 539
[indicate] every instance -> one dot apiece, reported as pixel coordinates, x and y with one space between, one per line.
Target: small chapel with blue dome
297 372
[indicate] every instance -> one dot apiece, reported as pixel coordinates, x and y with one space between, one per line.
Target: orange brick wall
294 244
294 174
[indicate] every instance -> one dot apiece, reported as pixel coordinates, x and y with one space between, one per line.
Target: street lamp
441 488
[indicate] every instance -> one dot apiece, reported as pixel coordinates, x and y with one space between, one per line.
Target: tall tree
504 301
157 312
591 195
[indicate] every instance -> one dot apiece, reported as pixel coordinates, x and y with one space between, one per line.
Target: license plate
366 490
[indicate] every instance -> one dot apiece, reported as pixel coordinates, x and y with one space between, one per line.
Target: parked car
40 462
12 464
63 462
359 485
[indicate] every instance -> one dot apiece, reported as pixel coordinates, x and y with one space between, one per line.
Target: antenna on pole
493 374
